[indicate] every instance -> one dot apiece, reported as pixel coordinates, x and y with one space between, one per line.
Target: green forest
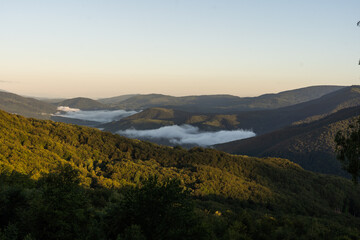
61 181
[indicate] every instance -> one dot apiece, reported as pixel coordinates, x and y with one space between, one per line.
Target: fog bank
102 116
187 134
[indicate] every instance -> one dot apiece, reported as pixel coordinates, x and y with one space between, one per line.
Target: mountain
267 198
116 100
153 118
83 104
226 103
270 120
28 107
50 100
263 121
311 145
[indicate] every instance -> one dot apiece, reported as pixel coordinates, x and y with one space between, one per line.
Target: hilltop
83 104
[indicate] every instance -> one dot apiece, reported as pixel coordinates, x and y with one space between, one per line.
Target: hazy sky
105 48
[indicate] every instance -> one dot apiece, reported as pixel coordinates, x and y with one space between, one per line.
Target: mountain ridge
227 103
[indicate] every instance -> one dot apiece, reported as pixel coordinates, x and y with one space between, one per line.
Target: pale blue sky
105 48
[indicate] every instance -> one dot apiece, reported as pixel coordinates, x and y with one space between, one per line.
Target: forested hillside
270 120
158 117
311 145
226 196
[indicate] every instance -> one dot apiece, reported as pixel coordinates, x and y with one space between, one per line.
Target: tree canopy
348 149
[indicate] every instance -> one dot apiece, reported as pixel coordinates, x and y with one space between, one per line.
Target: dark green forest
61 181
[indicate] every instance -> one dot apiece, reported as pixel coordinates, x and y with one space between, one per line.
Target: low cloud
67 109
102 116
187 134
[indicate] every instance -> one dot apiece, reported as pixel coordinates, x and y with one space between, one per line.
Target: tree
154 210
348 149
61 211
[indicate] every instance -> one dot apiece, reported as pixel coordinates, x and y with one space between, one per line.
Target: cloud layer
67 109
102 116
187 134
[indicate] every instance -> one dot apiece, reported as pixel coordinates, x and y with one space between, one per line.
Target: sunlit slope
226 103
310 144
28 107
105 160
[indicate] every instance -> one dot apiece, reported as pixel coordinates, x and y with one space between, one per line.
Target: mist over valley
171 135
100 116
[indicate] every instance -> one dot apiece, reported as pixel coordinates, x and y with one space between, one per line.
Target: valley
274 176
274 124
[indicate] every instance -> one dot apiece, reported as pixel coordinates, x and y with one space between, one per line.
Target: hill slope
266 121
226 103
153 118
83 104
273 189
260 122
28 107
310 144
31 146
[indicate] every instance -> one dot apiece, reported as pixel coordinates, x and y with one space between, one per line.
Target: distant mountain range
226 103
112 101
260 122
250 112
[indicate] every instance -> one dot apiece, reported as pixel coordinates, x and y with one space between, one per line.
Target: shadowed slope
311 144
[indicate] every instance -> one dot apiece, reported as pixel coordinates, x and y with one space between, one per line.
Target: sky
104 48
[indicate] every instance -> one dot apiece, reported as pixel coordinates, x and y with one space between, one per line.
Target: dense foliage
62 181
348 149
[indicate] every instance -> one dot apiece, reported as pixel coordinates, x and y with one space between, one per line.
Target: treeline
225 196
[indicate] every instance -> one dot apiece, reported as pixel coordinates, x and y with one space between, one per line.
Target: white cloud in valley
187 134
102 116
67 109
